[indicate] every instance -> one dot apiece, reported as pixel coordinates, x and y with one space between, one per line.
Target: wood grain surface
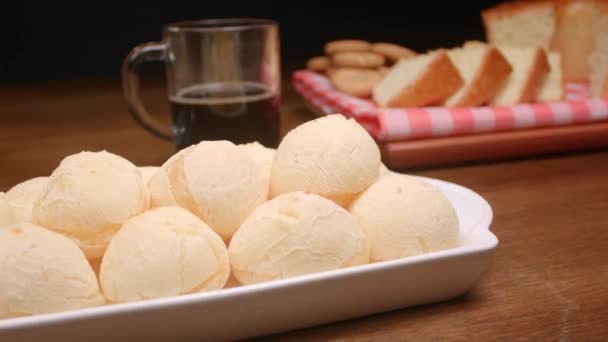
549 279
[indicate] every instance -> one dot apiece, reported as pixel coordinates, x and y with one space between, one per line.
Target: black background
62 40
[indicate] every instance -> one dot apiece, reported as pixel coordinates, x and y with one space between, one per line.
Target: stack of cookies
355 66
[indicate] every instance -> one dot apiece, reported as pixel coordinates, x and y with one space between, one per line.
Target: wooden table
549 280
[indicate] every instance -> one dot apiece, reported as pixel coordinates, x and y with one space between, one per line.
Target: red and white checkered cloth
428 122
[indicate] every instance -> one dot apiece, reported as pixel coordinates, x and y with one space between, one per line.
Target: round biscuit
346 45
331 70
393 52
318 64
356 82
358 60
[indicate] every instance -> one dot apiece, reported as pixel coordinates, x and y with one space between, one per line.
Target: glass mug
223 81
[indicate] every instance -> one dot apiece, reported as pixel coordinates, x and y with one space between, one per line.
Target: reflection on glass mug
223 81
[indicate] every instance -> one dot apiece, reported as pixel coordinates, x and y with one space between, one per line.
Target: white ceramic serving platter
278 306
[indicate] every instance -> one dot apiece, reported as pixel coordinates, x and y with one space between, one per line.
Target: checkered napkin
428 122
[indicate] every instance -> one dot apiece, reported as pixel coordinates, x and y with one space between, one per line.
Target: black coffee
240 112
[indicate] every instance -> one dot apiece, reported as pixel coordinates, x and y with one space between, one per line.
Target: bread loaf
520 23
574 38
484 70
552 88
571 27
530 68
421 80
599 58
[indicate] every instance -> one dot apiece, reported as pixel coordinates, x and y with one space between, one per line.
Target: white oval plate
277 306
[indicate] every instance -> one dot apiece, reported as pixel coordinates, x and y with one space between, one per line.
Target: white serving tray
278 306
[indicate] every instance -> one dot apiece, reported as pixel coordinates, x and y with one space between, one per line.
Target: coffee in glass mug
203 112
223 81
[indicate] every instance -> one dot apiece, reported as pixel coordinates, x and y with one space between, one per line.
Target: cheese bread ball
405 216
89 196
294 234
147 172
43 272
6 212
262 155
331 156
158 185
215 180
166 251
22 196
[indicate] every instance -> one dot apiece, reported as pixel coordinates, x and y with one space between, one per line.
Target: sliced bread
599 58
530 68
484 70
520 23
552 88
574 38
422 80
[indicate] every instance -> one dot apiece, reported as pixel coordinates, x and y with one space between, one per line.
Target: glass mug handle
154 51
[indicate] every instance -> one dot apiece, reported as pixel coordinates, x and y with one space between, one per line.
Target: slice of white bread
520 23
552 88
484 69
598 61
574 38
530 68
422 80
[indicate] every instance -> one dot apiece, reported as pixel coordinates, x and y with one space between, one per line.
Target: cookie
346 45
358 59
331 70
356 82
392 52
318 64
